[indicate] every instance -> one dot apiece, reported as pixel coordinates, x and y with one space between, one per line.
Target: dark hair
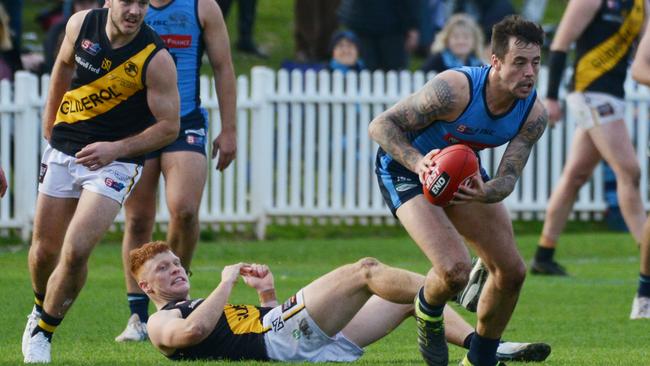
523 30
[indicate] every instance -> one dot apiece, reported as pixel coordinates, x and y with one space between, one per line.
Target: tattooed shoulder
437 96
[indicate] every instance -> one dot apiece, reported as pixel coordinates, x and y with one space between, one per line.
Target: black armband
556 65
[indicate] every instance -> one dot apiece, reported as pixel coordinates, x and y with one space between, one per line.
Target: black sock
483 351
644 285
47 325
139 304
544 254
468 340
38 302
425 307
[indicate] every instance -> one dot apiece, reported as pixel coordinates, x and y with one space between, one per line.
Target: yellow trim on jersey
609 53
105 93
243 319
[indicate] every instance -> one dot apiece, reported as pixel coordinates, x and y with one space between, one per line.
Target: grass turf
584 318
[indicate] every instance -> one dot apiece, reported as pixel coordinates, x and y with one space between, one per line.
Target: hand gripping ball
451 167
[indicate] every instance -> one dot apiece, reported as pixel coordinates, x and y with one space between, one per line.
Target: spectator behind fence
486 12
434 16
55 34
460 43
344 49
6 71
245 25
387 30
315 23
345 53
14 9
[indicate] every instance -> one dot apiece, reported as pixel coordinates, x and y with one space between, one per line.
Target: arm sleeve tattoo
514 159
390 128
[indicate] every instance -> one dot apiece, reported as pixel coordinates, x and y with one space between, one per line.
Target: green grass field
584 318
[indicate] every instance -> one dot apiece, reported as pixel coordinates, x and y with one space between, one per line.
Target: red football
451 167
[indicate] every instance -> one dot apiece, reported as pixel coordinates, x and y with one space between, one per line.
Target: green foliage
584 317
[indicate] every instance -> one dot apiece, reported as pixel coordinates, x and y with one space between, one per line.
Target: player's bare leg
185 174
140 216
641 303
47 239
614 142
436 236
93 216
335 298
583 158
487 227
366 328
615 145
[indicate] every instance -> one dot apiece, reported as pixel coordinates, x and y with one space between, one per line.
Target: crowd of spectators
385 34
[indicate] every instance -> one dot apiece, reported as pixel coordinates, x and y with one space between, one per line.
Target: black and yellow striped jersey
107 100
604 48
238 335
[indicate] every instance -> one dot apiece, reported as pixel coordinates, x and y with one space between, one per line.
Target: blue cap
347 34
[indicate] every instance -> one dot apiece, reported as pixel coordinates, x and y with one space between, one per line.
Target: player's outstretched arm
516 155
167 331
217 46
62 72
442 98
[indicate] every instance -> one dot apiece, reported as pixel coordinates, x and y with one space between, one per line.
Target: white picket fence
304 153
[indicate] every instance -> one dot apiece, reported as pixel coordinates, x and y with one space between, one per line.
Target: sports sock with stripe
38 302
47 325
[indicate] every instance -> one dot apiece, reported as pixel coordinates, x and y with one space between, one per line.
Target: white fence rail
304 150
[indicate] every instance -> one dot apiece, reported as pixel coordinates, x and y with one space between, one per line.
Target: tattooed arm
442 98
512 163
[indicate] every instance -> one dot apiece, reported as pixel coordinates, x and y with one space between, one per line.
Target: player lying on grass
331 319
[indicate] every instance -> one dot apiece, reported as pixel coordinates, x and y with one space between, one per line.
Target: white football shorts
591 109
60 176
294 336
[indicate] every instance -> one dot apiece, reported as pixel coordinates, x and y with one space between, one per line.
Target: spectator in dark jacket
459 43
54 35
387 30
14 9
315 23
6 71
486 12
